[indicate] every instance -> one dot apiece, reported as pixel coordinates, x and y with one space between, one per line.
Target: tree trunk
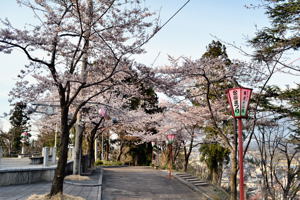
220 174
79 130
186 163
78 149
233 174
120 151
91 142
91 151
57 183
188 153
107 149
215 177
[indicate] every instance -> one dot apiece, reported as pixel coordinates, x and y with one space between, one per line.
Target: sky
187 34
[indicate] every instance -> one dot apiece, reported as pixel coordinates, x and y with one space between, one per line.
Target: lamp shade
238 99
153 143
103 113
25 137
171 138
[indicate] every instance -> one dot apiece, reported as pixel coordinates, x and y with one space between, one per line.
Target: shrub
98 162
108 163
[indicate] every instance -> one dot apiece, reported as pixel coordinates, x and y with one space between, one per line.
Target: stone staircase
210 191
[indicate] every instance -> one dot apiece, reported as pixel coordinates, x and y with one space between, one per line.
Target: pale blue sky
187 34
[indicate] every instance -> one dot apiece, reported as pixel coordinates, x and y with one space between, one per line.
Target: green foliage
141 154
285 104
283 34
214 155
148 100
215 49
108 163
19 122
98 162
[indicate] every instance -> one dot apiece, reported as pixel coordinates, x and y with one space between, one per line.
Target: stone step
200 184
197 181
186 176
192 179
183 175
180 174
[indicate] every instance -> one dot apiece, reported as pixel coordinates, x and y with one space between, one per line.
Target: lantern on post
152 155
103 113
239 99
24 139
170 140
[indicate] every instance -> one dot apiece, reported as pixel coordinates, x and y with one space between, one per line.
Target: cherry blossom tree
202 82
74 36
186 121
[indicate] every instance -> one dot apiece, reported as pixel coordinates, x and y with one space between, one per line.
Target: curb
83 185
99 197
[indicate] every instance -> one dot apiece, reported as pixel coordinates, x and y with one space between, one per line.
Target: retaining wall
16 176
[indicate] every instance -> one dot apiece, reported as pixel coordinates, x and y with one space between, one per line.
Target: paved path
140 183
22 192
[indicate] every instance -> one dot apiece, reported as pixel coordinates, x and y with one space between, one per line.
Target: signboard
239 101
245 97
234 99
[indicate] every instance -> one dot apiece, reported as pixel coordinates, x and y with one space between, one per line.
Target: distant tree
214 156
277 136
279 161
5 142
19 121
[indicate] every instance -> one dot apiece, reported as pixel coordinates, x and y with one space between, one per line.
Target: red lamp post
238 99
170 140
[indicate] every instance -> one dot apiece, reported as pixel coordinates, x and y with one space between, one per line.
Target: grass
108 163
56 197
77 178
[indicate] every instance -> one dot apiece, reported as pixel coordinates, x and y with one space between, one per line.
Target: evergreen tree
214 155
147 100
283 33
285 104
19 124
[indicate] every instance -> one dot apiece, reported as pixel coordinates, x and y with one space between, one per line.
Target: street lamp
152 156
103 113
24 138
238 99
170 140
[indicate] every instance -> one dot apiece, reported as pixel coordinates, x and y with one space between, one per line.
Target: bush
98 162
108 163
